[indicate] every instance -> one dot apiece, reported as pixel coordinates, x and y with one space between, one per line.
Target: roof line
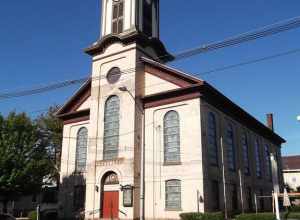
171 69
81 88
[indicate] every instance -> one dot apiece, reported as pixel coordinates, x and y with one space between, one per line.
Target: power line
248 36
242 38
290 52
250 62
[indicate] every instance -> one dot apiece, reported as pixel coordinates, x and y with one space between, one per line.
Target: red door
110 205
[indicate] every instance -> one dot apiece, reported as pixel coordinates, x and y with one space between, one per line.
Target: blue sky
42 42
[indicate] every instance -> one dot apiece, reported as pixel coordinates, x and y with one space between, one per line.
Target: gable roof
190 88
291 162
200 88
170 74
80 96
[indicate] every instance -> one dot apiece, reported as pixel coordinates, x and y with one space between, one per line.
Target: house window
230 147
173 194
267 162
81 149
245 149
34 198
79 197
257 158
249 198
262 200
118 16
171 137
215 198
212 140
111 128
234 197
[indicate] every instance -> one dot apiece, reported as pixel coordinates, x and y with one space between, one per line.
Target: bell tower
123 16
129 31
131 21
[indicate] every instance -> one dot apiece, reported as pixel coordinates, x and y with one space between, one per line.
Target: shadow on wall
72 197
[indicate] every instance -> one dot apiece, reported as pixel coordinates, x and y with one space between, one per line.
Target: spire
130 21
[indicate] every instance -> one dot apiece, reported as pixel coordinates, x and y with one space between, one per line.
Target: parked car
6 217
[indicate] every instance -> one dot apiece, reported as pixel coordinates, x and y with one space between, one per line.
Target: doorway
110 196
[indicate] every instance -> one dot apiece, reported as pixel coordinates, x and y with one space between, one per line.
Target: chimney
270 121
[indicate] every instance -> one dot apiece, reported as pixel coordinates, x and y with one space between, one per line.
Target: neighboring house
291 171
46 199
135 110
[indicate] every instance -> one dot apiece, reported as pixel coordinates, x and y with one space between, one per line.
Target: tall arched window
171 137
81 149
230 147
268 167
257 158
245 149
111 128
173 194
212 139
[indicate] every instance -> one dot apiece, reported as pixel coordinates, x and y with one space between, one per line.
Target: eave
80 96
74 117
216 99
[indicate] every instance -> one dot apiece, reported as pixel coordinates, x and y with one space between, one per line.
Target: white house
291 171
144 140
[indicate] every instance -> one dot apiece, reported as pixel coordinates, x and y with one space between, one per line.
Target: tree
24 157
52 129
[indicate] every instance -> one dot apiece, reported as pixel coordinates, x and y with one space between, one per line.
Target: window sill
78 173
172 164
173 210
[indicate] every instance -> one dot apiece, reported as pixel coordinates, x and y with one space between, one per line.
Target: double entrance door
110 205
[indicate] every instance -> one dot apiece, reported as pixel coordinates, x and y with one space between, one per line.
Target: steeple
123 16
131 21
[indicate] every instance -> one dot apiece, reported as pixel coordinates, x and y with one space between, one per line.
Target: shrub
253 216
294 209
202 216
294 215
32 215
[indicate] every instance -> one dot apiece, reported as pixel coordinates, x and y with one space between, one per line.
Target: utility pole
224 179
275 184
142 155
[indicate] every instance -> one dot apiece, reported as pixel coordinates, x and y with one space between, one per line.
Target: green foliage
202 216
52 129
293 215
294 209
32 215
24 158
253 216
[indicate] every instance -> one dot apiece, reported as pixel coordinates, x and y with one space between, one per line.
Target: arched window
230 147
171 137
245 149
257 158
268 162
111 128
118 16
81 149
110 178
173 194
212 139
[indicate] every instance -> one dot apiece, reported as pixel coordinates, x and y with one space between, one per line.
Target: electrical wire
248 36
219 69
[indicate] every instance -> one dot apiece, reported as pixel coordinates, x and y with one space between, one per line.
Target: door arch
110 196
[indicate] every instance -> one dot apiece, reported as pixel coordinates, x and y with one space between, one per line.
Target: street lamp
142 165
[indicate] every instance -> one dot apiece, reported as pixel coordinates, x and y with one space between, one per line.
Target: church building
142 140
